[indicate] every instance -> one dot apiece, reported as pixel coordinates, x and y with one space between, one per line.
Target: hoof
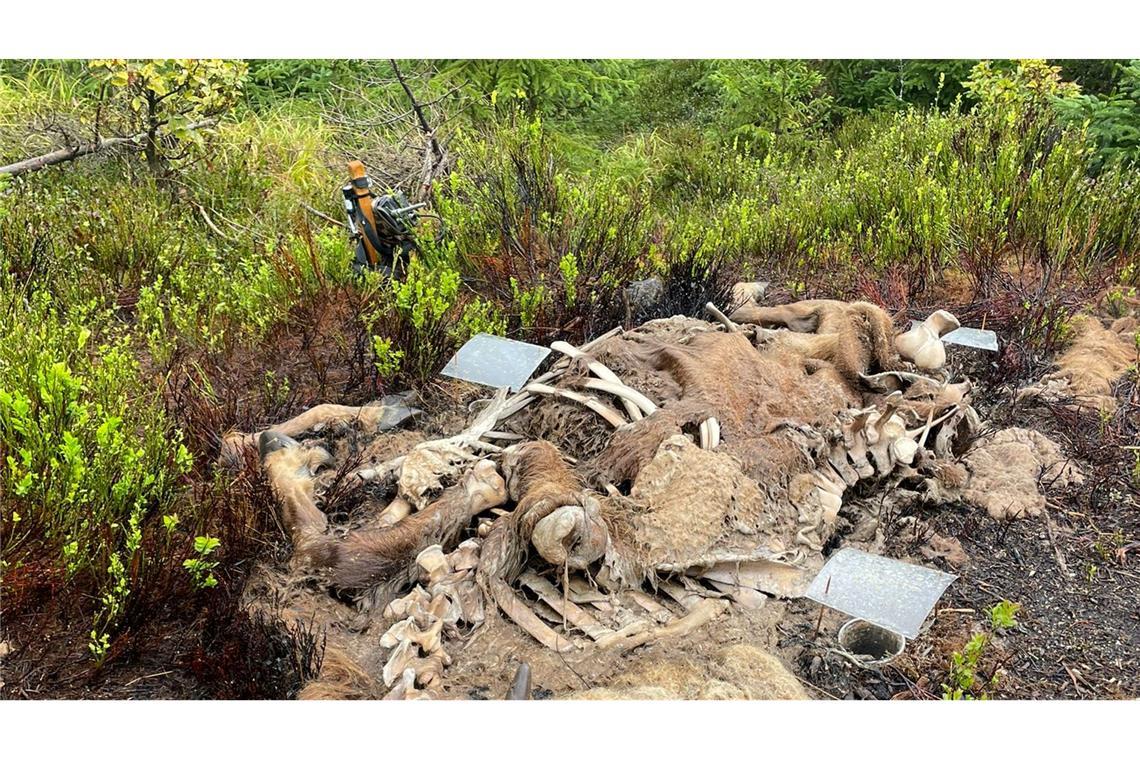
269 441
520 686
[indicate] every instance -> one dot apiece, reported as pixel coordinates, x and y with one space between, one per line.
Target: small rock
644 294
748 292
949 549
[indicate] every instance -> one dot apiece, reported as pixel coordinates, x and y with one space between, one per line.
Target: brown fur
538 481
364 558
341 678
367 557
854 338
1095 360
751 393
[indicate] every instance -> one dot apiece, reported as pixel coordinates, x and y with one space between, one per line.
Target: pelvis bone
922 344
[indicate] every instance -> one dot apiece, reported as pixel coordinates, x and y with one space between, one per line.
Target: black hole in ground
869 640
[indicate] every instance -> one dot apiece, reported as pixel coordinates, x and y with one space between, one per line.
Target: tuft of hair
341 678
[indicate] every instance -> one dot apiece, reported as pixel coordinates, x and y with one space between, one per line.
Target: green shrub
417 323
88 453
168 99
1113 119
964 678
926 191
528 233
200 566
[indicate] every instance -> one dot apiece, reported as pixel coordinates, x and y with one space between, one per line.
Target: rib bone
608 413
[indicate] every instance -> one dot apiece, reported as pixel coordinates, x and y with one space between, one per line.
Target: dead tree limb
69 154
435 159
419 111
321 215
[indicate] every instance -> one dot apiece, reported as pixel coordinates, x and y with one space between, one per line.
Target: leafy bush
213 304
965 679
760 101
167 100
862 85
544 85
272 81
928 191
88 453
200 566
425 316
528 234
84 443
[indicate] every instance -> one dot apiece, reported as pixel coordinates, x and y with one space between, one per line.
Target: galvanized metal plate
497 362
889 593
985 340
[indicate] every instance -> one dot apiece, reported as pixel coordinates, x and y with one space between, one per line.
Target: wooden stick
70 154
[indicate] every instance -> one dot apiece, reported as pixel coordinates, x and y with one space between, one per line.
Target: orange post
363 193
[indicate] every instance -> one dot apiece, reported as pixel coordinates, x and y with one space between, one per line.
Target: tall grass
925 190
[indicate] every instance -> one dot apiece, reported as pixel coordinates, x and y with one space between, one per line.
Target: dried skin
853 338
1006 469
739 671
692 499
1093 362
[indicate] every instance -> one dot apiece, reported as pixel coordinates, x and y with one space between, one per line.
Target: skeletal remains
712 458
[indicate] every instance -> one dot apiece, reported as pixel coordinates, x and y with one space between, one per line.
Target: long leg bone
389 413
366 557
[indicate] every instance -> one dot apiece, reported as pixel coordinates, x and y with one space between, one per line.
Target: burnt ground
1078 632
1075 571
